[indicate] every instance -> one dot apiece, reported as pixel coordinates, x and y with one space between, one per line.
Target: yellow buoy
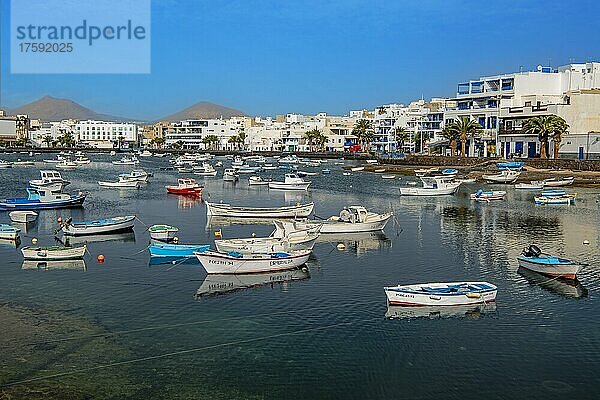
341 246
34 240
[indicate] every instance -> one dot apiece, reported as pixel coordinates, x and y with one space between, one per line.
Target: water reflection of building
215 284
358 243
184 202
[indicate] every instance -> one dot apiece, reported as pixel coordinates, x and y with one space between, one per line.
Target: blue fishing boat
39 198
513 165
176 250
554 192
99 226
449 171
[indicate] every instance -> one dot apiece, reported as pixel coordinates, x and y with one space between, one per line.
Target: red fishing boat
187 186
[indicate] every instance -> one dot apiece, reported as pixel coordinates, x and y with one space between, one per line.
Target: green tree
311 137
560 128
66 140
320 140
542 127
465 127
452 136
157 142
210 141
401 135
363 130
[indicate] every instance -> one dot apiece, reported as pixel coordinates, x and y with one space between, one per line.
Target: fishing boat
230 175
98 226
352 219
176 251
136 175
432 186
356 169
269 167
22 163
82 161
218 284
556 182
23 217
528 186
146 153
426 171
257 181
120 184
186 186
442 294
227 210
567 199
291 182
388 176
302 174
449 171
326 171
43 199
379 170
126 161
292 159
9 232
512 165
487 196
205 170
506 176
554 193
466 180
238 263
66 164
533 259
49 178
164 233
283 239
247 169
53 252
5 164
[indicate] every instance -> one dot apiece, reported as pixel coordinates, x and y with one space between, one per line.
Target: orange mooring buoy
100 258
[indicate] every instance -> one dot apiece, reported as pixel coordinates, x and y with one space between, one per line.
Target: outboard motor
532 251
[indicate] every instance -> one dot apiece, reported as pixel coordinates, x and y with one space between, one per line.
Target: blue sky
273 57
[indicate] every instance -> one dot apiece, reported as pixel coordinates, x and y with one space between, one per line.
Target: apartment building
106 134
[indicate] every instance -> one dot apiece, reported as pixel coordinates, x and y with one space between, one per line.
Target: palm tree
402 135
452 136
210 141
48 140
465 127
560 128
158 141
363 130
311 137
542 127
242 141
320 140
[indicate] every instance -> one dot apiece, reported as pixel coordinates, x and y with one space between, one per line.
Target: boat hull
121 184
37 253
216 263
289 186
123 224
176 250
416 191
568 271
184 191
404 297
74 201
374 224
226 210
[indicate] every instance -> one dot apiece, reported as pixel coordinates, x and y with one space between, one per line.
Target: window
527 104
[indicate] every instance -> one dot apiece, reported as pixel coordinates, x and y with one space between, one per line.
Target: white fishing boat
138 175
302 174
556 182
121 184
529 186
49 178
53 252
426 171
269 167
164 233
505 176
442 294
205 170
257 181
227 210
566 199
126 161
22 163
23 217
66 164
466 180
5 164
352 219
388 176
379 170
292 159
230 175
146 153
237 263
432 186
9 232
356 169
487 196
291 182
82 160
98 226
300 240
533 259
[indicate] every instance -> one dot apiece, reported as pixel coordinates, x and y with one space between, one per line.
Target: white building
53 131
192 132
104 134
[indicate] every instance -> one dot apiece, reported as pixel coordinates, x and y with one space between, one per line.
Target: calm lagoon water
129 329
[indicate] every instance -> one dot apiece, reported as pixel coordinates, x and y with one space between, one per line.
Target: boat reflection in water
184 202
359 243
226 221
215 284
564 287
116 237
75 265
9 243
471 311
